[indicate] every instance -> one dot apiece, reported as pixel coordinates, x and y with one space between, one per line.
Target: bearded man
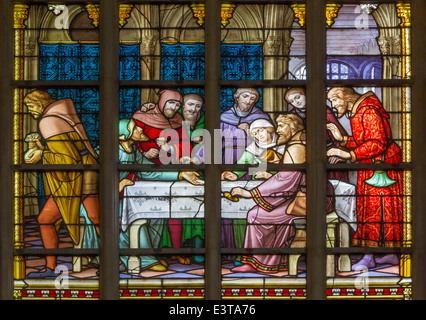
235 123
193 117
66 143
379 201
162 116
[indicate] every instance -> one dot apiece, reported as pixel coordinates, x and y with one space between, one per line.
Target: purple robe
268 224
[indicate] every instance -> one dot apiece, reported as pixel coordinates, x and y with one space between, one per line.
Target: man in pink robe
268 223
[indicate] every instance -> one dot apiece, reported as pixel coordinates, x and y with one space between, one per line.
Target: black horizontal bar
201 83
161 83
57 2
366 1
224 251
160 167
232 167
134 167
157 251
55 252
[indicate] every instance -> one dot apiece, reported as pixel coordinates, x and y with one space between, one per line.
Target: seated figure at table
270 221
263 149
193 119
193 229
155 119
151 232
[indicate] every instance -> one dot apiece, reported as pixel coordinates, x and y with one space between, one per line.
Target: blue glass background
186 62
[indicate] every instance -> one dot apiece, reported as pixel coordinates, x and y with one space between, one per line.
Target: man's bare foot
244 268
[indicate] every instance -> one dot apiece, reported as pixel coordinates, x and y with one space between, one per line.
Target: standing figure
235 123
297 98
379 201
193 119
66 143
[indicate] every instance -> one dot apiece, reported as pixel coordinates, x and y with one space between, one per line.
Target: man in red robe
379 201
162 149
163 116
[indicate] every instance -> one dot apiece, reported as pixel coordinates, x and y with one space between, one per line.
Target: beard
190 117
342 109
284 138
169 113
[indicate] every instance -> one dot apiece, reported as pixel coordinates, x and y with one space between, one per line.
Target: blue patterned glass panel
81 62
130 69
186 62
182 61
240 62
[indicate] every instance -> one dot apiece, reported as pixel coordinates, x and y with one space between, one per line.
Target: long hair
39 97
292 119
293 91
344 93
239 91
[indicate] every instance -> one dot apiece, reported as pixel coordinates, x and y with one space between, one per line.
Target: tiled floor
175 270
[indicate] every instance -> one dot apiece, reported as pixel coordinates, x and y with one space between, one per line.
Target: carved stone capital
299 11
273 45
404 12
148 44
390 44
20 14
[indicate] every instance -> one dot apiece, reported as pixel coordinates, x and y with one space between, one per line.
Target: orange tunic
379 209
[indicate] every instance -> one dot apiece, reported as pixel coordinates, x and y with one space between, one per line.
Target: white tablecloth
162 199
182 200
345 195
237 209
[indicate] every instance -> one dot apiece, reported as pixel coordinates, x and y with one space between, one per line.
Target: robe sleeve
282 185
369 138
157 175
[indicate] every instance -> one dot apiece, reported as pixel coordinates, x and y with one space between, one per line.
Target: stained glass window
219 191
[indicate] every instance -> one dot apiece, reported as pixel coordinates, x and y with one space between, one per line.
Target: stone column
276 48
